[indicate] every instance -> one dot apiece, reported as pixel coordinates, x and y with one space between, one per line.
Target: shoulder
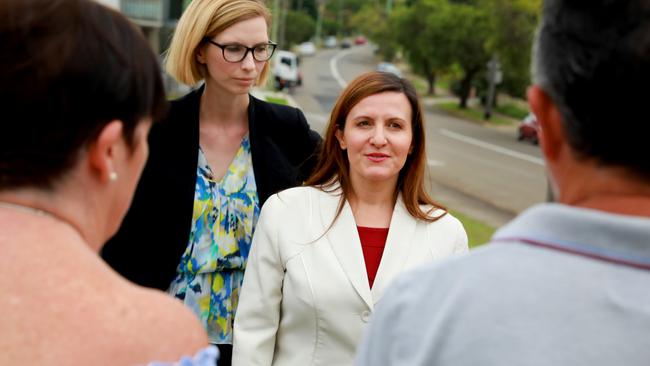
293 198
166 330
446 221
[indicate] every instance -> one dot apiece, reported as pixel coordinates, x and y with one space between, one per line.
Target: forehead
247 31
387 105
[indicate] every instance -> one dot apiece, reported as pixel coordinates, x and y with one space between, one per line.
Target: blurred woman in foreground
323 254
78 90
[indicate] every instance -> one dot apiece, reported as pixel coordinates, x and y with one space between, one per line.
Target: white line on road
492 147
432 162
334 68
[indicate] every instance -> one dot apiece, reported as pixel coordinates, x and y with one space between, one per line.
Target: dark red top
373 241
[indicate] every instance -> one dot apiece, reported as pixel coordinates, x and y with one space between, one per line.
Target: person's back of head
68 68
592 57
71 70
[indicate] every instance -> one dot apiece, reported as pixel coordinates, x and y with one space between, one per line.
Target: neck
373 193
372 204
221 107
608 189
57 211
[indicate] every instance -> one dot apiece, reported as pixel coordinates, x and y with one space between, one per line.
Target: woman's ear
103 152
340 138
201 56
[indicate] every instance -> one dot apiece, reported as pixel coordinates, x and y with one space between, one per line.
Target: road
483 172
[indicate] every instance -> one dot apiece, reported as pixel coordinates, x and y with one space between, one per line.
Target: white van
285 70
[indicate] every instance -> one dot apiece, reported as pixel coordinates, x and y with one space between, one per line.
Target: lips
377 157
245 81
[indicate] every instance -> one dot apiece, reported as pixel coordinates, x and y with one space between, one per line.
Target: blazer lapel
401 235
344 241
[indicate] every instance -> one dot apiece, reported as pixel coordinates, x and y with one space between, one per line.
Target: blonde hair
208 18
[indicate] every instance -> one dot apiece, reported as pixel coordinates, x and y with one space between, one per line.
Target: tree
467 37
417 28
300 27
373 22
512 28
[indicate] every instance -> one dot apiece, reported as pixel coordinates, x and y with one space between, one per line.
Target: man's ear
551 131
103 152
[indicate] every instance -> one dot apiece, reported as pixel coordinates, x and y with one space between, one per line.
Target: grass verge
276 100
477 232
473 114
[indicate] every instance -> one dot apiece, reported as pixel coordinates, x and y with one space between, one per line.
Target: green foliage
300 27
512 28
512 110
372 22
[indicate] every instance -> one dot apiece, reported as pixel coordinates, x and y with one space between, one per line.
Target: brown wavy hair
333 167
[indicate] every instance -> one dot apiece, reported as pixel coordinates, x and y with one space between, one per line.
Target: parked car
360 40
307 49
330 42
346 43
388 67
529 129
285 70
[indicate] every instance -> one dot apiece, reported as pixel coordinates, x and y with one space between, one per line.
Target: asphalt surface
481 171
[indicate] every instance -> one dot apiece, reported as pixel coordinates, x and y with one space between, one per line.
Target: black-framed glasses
235 52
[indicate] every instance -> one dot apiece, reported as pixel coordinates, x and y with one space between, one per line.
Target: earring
112 176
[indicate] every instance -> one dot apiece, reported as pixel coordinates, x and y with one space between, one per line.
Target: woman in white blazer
323 254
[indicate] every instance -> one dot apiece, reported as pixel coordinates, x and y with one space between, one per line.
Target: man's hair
592 57
69 67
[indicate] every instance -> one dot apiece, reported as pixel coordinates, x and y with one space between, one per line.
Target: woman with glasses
214 161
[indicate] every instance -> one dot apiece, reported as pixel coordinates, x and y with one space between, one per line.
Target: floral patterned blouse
212 267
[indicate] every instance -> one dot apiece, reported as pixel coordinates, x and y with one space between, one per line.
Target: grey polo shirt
557 286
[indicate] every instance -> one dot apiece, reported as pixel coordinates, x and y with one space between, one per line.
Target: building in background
157 19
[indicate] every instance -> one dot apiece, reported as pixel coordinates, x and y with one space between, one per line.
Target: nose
378 137
248 63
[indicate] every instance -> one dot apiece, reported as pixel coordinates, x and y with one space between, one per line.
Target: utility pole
282 27
274 22
494 77
339 19
319 20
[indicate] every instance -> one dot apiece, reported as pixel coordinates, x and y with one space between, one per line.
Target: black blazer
154 234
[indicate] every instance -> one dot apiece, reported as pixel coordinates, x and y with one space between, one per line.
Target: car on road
330 42
346 43
389 67
285 70
307 49
360 40
529 129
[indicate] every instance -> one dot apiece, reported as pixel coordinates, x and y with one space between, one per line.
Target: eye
261 48
235 48
395 125
363 123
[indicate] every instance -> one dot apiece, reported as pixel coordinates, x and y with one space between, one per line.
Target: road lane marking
334 68
495 148
432 162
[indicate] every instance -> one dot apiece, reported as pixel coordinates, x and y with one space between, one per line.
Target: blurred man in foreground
564 283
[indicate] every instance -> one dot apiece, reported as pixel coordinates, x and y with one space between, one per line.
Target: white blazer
306 299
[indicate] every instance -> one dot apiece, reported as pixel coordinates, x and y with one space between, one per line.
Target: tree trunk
466 85
431 80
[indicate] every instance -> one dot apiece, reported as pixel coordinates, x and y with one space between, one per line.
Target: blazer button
365 316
